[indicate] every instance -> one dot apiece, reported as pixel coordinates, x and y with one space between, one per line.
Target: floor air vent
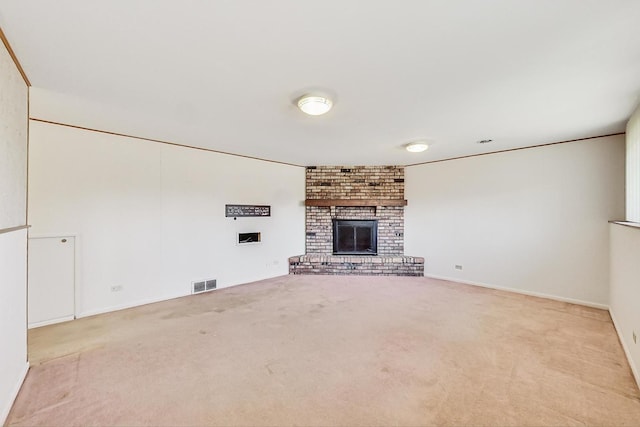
203 286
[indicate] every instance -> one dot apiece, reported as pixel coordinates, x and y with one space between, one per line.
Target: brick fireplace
357 193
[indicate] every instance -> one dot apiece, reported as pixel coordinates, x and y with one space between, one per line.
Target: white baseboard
50 322
129 305
9 404
523 292
627 353
151 301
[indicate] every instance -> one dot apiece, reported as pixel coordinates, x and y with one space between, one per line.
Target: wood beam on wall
14 57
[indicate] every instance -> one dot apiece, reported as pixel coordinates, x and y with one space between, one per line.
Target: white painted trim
154 300
523 292
50 322
130 305
9 404
634 369
52 235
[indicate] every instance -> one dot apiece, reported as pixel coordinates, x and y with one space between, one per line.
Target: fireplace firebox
355 237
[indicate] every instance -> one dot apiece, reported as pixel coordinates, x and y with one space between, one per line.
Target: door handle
64 240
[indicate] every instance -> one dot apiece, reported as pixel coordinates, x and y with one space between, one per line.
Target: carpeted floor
333 350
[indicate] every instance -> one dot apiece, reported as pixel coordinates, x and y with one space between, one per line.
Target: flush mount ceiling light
417 147
314 105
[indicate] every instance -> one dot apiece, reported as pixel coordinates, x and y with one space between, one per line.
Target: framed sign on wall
246 210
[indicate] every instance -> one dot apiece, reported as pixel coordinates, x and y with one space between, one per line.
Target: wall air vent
203 286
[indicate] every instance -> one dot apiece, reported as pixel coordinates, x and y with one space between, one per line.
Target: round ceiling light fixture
314 105
417 147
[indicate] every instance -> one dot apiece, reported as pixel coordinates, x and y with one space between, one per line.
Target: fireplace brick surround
355 192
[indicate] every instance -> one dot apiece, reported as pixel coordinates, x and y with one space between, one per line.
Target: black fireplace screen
355 237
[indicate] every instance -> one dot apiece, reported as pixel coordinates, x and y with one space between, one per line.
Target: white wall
13 143
624 284
13 249
150 217
532 220
624 299
13 317
633 167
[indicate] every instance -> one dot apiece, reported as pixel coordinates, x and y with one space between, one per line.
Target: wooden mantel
355 202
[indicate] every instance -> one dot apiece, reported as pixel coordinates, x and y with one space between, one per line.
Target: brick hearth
355 264
355 192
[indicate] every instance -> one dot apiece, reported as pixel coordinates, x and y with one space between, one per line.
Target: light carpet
333 351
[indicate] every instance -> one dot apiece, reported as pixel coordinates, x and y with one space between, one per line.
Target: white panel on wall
51 292
150 217
13 143
625 290
633 168
531 220
13 245
13 316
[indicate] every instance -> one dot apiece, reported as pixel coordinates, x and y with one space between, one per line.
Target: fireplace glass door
355 237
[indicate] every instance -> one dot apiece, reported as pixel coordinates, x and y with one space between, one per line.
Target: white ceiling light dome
314 105
417 147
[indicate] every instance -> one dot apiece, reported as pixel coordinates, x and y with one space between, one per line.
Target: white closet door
51 281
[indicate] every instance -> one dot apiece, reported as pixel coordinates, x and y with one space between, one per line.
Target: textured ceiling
224 74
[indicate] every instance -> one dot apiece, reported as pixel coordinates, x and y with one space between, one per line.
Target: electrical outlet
635 339
458 267
116 288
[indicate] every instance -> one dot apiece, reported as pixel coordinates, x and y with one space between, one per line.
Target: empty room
337 213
